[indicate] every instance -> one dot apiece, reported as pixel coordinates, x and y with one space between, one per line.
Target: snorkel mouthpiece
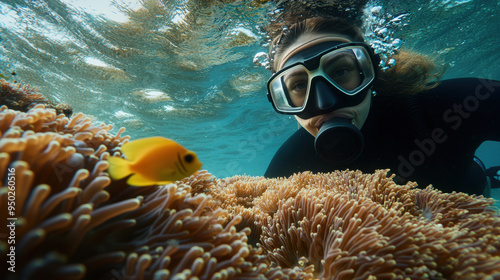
339 141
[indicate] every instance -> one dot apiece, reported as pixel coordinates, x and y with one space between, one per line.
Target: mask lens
348 69
289 89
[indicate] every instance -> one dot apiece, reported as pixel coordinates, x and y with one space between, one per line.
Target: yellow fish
153 161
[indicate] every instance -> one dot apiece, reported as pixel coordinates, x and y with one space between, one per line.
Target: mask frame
312 62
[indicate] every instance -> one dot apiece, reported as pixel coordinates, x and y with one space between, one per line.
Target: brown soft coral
22 97
56 165
350 225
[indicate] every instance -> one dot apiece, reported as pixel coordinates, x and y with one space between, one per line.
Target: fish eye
188 158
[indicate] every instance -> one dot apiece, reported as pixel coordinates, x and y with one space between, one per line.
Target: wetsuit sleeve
486 104
464 113
470 108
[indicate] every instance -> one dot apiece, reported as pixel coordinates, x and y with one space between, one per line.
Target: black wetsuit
429 138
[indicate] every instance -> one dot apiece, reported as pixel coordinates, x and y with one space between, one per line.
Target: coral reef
73 222
350 225
22 97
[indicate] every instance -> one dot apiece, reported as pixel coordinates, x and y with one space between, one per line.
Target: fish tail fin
118 168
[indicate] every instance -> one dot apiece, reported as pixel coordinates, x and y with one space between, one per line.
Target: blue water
183 69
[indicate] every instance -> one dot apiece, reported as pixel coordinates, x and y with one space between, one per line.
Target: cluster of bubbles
261 59
379 33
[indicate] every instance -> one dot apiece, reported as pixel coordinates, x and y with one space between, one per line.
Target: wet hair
412 73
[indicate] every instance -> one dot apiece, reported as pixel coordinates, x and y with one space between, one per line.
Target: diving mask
323 78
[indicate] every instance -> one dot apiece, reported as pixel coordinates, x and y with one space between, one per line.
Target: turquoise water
183 69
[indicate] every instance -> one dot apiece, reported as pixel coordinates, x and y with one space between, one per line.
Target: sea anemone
73 222
23 97
350 225
52 169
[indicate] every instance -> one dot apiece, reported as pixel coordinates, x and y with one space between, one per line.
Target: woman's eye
340 72
296 85
337 73
299 86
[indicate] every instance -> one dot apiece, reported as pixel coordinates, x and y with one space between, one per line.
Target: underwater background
184 69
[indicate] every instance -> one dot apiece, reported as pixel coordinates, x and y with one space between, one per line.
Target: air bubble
382 31
397 43
391 62
376 10
261 59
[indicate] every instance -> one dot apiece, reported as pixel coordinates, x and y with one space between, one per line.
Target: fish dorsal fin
132 150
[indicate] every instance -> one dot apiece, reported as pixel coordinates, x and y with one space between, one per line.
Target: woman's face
357 114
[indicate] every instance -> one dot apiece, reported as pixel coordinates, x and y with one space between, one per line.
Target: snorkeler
355 116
